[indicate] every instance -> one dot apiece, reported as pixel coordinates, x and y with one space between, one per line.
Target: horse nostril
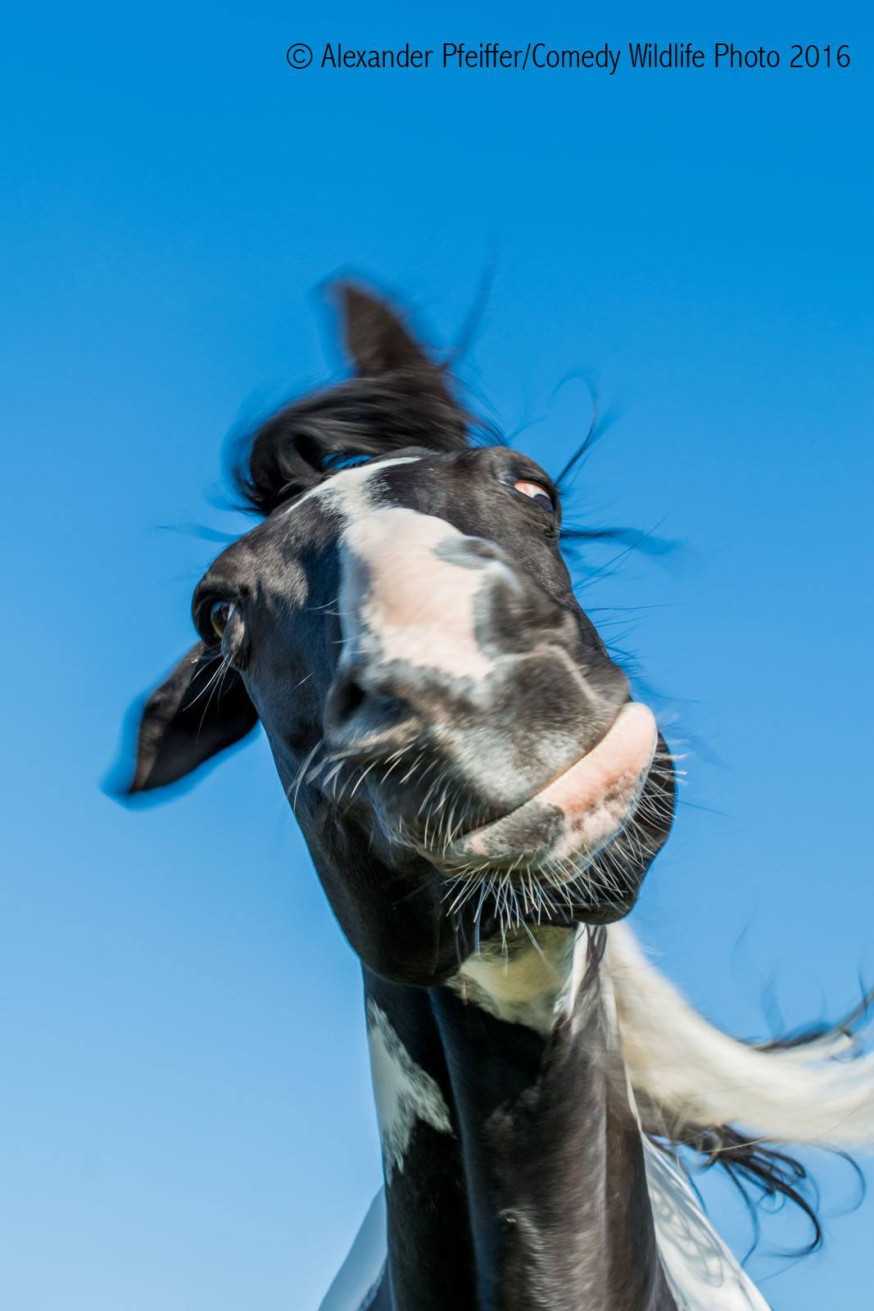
355 712
345 698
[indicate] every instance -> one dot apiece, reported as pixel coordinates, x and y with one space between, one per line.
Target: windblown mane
693 1083
311 438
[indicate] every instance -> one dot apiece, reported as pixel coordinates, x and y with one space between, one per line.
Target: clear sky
185 1114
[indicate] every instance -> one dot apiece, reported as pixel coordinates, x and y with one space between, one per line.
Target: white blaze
417 607
397 589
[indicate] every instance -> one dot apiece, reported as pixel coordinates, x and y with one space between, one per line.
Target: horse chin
588 889
592 889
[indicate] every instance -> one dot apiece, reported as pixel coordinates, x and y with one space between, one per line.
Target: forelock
302 445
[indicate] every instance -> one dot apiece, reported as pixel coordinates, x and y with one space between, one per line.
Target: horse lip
622 757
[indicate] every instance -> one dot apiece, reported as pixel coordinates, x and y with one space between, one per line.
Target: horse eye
536 493
220 617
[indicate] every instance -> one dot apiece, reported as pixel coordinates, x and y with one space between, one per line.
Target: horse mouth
564 826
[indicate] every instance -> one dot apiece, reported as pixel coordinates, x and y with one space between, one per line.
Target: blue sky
185 1100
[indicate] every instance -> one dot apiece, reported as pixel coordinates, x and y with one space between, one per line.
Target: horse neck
515 1177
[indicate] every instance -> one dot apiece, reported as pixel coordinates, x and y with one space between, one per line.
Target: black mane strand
299 446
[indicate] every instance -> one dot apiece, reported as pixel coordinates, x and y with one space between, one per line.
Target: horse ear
376 336
200 709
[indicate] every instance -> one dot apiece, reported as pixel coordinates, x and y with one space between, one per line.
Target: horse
482 798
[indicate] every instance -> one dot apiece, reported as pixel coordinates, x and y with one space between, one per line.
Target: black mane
306 440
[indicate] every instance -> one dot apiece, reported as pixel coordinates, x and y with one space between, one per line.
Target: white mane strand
690 1073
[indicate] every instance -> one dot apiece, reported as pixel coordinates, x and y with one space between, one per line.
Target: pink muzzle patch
413 606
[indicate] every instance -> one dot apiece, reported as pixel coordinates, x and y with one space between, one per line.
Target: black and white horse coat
482 799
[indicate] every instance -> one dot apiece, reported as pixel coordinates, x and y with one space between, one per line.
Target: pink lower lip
595 796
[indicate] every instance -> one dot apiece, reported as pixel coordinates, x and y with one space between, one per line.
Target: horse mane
362 417
694 1083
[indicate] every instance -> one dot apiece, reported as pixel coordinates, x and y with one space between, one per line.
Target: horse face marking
415 605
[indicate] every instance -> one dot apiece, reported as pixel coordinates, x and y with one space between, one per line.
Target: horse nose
406 623
434 625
